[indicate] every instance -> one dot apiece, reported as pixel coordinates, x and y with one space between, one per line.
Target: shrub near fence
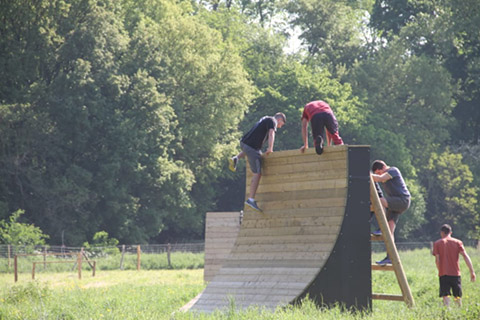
125 257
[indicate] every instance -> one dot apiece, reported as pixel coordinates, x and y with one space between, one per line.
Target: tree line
118 116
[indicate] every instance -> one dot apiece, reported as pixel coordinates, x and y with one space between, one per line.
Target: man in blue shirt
251 143
397 197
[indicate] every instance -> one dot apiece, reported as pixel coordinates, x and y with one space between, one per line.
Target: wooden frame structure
392 252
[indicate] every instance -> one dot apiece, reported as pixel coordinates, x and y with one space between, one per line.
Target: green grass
158 294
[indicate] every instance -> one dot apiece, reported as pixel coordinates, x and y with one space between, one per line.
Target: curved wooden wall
280 255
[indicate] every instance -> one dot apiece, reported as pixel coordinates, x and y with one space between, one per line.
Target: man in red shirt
321 116
446 251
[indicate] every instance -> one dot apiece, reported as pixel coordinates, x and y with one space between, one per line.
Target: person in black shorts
446 251
251 143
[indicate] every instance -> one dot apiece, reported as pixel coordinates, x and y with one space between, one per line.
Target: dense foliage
118 116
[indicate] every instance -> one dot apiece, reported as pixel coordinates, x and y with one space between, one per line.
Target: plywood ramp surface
278 253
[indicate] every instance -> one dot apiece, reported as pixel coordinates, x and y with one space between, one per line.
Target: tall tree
453 197
331 30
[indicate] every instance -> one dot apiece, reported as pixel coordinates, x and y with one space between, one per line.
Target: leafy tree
202 76
409 96
20 234
330 30
413 220
102 245
452 197
389 16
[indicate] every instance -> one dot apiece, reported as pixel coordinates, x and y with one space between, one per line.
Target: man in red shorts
446 252
320 116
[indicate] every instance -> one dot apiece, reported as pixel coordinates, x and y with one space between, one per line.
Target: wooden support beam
383 296
388 267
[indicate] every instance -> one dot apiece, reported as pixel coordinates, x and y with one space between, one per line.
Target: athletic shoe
384 261
232 164
319 145
377 232
253 204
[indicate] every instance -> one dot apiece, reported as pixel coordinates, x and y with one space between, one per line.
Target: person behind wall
321 117
446 251
396 199
251 143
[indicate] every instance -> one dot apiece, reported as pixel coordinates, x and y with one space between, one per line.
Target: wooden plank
266 277
298 212
376 238
298 157
387 267
293 221
286 272
211 289
222 229
298 204
318 194
294 230
310 151
301 186
293 247
304 167
279 256
215 215
290 263
220 244
223 223
280 239
383 296
304 176
211 236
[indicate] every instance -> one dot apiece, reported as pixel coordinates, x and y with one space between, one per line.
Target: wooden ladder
396 265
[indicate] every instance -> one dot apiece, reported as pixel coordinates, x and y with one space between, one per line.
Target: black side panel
346 277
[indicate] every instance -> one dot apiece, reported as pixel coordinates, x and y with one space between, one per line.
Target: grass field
159 294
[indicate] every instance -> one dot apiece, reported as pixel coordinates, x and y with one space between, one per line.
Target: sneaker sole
319 146
255 209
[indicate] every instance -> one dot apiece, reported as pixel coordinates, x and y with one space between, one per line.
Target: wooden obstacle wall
311 239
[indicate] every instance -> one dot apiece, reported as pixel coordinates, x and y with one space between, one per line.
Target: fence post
33 270
138 257
15 266
44 257
169 248
94 267
79 264
8 250
123 255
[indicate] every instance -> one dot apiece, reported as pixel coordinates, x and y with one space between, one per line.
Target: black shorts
323 120
450 282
